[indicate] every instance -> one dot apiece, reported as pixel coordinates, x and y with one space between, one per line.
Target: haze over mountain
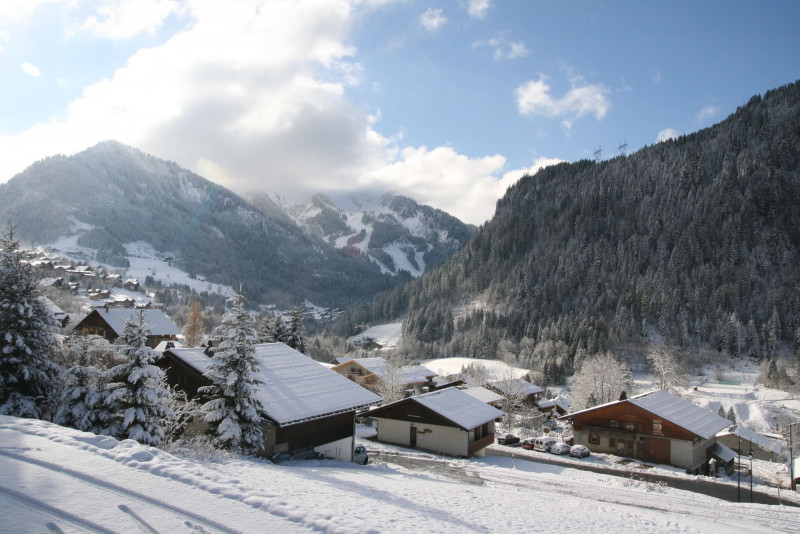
694 241
114 196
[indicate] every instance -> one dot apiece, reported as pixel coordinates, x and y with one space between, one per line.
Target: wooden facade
95 325
627 430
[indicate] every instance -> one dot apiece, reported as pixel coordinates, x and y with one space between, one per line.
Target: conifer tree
233 414
193 331
279 333
266 329
294 337
721 411
82 400
731 415
29 378
135 388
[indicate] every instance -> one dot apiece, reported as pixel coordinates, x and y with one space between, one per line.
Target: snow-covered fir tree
279 332
731 416
265 332
29 378
82 400
233 415
294 335
135 388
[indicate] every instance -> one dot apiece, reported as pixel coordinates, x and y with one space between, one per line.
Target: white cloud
708 113
113 19
432 19
255 98
477 9
666 134
503 49
31 70
534 98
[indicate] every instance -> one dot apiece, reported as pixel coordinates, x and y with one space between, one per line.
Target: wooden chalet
305 405
368 372
110 324
528 393
656 427
447 421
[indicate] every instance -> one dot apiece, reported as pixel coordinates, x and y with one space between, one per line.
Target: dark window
594 439
613 423
630 427
612 442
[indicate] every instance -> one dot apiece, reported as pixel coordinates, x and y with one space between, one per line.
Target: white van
543 444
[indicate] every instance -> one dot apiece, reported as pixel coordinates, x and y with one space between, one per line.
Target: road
697 485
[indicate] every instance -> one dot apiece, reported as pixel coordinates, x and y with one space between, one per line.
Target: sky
448 102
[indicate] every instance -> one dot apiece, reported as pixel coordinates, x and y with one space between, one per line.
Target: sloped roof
681 412
459 407
722 452
517 386
483 394
754 437
295 388
412 374
157 320
453 404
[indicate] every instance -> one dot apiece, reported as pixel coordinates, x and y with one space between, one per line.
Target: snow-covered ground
387 335
494 368
60 480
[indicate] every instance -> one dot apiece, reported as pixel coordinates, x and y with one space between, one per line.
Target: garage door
656 450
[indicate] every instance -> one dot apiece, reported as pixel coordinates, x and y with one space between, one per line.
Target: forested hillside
112 195
695 240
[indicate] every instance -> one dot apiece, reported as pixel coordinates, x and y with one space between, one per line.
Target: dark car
507 439
579 451
360 455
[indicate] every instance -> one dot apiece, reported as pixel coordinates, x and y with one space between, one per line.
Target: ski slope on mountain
61 480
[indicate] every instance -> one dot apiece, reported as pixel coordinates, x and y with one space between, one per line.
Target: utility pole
751 471
792 485
598 154
623 148
739 472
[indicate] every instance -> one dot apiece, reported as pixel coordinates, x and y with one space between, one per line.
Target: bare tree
193 331
668 371
600 379
391 384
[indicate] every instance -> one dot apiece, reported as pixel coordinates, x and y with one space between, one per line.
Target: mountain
694 241
115 197
392 230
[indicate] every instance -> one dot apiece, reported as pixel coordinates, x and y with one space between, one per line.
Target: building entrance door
413 438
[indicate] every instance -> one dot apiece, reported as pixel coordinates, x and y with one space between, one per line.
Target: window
613 423
612 442
657 426
630 427
594 439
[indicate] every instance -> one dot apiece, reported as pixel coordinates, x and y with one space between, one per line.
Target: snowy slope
60 480
394 231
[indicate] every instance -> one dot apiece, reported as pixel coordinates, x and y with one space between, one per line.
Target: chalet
110 324
304 404
367 372
447 421
655 427
61 316
743 440
488 396
516 387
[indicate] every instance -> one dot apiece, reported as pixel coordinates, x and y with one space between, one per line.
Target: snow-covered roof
412 374
754 437
295 388
458 407
681 412
685 414
157 320
722 452
517 386
483 394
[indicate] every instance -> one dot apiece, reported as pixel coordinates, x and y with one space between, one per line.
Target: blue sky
447 102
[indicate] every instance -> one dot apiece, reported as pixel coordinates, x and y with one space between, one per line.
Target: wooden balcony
480 444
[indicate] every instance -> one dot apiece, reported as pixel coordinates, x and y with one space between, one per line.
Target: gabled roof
157 320
685 414
295 388
754 437
462 409
412 374
681 412
483 394
516 386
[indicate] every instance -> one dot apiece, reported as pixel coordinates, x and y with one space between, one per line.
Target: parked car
579 451
360 455
507 439
559 448
527 443
543 444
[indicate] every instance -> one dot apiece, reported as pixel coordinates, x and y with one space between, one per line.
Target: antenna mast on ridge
598 154
623 148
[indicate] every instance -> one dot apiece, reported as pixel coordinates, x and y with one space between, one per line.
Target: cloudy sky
448 102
